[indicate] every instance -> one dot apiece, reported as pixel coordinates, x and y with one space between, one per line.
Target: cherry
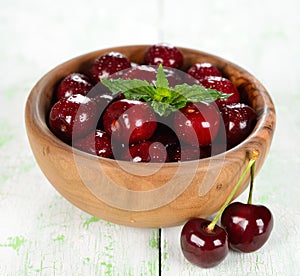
197 123
129 121
108 64
174 76
141 72
97 143
222 85
184 153
103 101
215 148
248 226
239 120
72 84
201 246
146 151
202 70
165 54
205 244
165 135
74 116
148 73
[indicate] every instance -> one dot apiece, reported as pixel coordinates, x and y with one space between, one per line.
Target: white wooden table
43 234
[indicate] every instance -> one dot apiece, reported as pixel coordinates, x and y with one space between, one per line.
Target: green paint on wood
26 167
5 134
10 93
3 178
108 267
107 223
14 243
152 268
165 256
87 223
153 242
87 259
263 199
60 238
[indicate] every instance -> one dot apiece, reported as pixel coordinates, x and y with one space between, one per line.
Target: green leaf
162 109
198 93
162 98
132 89
161 80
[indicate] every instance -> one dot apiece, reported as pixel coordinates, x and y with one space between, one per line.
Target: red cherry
148 73
97 143
129 121
197 123
147 151
215 148
184 153
248 226
202 70
141 72
108 64
165 135
174 76
73 117
165 54
203 247
222 85
239 120
72 84
103 101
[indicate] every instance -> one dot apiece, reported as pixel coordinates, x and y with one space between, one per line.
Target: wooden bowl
146 195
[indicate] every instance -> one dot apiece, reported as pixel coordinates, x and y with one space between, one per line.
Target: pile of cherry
91 117
88 116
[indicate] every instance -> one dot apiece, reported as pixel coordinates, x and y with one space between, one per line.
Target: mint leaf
163 109
198 93
161 80
132 89
163 99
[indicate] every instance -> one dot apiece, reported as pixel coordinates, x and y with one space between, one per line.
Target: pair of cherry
246 228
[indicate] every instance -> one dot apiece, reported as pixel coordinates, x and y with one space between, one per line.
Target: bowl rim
34 97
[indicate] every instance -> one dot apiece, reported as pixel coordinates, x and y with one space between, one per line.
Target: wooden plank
43 234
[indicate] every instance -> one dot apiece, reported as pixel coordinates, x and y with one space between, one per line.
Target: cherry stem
250 165
251 184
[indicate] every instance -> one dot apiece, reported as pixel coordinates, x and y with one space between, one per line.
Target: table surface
41 233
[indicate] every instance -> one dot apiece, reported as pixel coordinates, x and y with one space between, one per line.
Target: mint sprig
162 98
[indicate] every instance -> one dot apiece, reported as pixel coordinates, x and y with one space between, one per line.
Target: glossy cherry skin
97 143
147 151
201 247
202 70
129 121
248 226
73 117
108 64
141 72
148 73
103 101
222 85
197 123
72 84
165 135
183 153
165 54
238 120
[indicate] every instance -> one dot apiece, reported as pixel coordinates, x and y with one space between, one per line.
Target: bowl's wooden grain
102 188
